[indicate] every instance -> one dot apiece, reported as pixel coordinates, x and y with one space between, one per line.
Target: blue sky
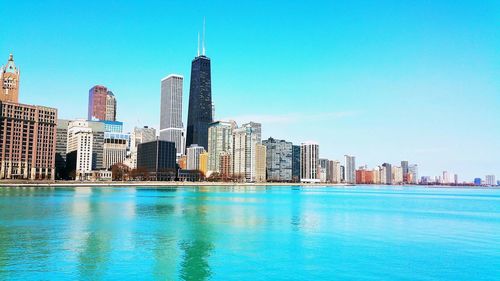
382 80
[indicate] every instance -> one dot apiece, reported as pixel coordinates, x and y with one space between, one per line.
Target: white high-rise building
490 180
220 140
335 172
350 169
171 127
397 175
376 175
413 171
446 177
79 145
193 156
309 162
245 139
383 174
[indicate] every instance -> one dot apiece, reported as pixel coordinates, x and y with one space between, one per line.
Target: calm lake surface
250 233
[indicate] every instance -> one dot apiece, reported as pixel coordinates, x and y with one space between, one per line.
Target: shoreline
170 184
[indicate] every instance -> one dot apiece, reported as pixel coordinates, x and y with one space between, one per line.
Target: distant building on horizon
413 173
490 180
296 163
309 162
171 127
260 163
350 169
335 172
405 168
386 173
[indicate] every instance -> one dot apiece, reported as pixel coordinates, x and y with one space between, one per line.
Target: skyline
368 95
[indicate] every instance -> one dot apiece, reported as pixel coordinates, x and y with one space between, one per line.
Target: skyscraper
260 163
278 160
404 166
220 140
387 173
350 169
9 76
335 172
171 127
102 104
245 139
309 155
79 150
413 171
200 101
490 180
296 163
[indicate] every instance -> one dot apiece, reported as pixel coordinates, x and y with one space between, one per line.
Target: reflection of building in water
198 246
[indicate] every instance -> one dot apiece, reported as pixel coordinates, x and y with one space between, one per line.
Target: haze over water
249 233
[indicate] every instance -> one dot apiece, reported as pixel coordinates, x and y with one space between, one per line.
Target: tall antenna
198 44
203 40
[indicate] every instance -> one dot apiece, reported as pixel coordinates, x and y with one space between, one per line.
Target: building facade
260 163
193 156
309 162
171 127
295 163
245 139
490 180
350 168
115 148
157 159
397 175
28 140
386 173
278 160
203 166
61 148
79 151
220 140
334 174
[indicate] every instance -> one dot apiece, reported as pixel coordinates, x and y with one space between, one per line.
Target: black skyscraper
200 102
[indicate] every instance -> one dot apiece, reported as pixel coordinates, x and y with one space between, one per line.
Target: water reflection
97 234
198 247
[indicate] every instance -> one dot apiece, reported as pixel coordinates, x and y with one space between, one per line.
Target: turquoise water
252 233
